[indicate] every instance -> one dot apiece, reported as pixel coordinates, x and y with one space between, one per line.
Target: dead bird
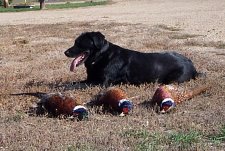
57 104
168 96
114 100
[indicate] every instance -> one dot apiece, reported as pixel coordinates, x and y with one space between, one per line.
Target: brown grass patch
183 36
217 44
168 28
32 60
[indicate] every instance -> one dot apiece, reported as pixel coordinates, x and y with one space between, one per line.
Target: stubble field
32 60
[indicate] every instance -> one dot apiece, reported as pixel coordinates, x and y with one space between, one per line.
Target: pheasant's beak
162 111
122 114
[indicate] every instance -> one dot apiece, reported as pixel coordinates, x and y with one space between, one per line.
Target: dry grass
32 60
168 28
183 36
217 44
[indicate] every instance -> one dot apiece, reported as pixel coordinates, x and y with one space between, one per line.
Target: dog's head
87 47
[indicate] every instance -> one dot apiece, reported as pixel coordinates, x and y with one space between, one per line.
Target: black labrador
107 63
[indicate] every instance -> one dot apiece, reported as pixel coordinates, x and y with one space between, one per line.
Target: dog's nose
67 53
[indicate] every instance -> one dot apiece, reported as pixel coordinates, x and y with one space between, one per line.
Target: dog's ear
98 39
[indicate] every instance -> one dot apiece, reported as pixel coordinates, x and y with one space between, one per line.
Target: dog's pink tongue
73 64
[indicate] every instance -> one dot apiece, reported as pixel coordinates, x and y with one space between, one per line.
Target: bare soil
32 60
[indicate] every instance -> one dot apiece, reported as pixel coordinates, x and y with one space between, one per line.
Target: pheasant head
125 106
166 105
80 112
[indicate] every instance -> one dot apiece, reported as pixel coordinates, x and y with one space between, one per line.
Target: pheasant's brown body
111 97
176 93
58 104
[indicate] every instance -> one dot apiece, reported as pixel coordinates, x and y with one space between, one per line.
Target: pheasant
168 96
113 99
56 104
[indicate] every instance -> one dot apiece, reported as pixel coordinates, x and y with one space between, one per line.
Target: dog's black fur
107 63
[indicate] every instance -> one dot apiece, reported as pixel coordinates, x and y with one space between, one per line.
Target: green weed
74 5
218 138
145 141
184 140
54 6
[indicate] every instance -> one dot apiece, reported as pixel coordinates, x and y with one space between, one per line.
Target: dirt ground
32 60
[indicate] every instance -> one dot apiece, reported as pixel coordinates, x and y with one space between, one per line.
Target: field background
32 59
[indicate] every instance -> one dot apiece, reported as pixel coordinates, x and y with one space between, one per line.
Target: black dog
107 63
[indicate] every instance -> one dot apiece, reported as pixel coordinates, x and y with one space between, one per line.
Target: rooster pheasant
56 104
113 99
168 96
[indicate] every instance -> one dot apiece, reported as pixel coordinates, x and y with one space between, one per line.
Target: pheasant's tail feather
35 94
196 91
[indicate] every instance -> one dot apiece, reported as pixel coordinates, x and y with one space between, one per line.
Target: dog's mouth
78 60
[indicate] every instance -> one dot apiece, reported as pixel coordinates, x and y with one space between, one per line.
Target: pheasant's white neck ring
79 107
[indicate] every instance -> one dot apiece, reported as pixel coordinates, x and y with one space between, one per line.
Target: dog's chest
95 72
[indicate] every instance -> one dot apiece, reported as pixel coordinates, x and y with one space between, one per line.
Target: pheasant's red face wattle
125 110
165 108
